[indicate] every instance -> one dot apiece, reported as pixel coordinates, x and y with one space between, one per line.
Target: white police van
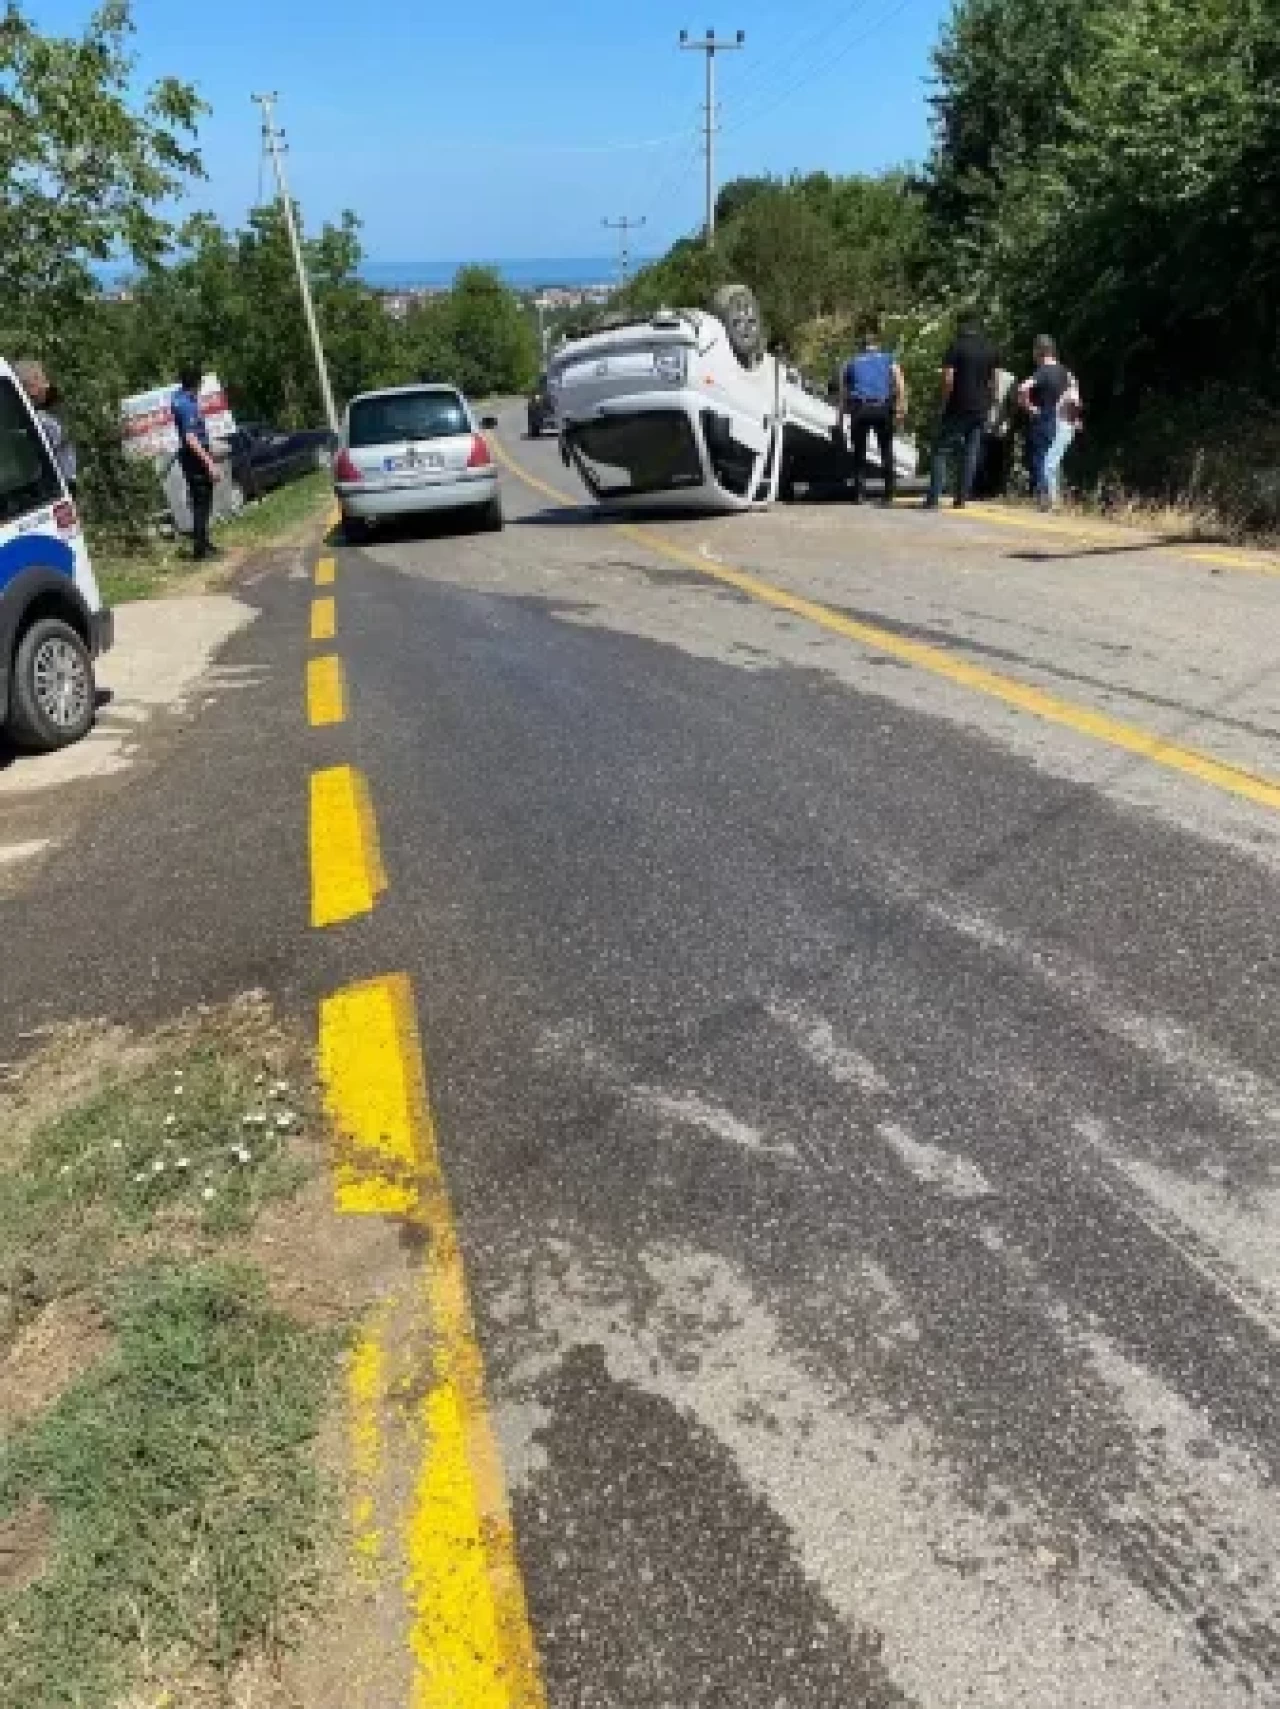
53 624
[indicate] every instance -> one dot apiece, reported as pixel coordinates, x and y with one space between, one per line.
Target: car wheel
355 530
738 311
491 518
52 695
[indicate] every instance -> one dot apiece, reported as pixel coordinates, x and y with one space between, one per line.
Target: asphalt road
857 1087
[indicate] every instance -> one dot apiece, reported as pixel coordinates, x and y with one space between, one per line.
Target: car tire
492 520
355 530
52 694
738 310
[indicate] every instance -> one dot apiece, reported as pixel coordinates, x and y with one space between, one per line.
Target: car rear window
400 416
28 478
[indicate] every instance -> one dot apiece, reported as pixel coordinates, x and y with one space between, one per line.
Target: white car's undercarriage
662 412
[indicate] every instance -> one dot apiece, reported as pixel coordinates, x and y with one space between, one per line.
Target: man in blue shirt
194 458
873 395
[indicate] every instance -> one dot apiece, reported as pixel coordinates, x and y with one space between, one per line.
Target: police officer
195 459
873 397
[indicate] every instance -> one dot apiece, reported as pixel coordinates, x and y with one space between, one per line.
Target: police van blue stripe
35 551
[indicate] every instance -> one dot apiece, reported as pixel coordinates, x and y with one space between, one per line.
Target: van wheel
492 520
738 311
51 698
355 530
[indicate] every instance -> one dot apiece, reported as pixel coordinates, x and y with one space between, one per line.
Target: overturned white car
685 408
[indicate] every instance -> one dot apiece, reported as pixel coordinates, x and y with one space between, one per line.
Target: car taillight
344 469
480 457
64 516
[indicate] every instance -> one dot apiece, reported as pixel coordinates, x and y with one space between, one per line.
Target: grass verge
159 1494
157 566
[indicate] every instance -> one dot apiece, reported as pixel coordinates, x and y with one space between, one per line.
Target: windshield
28 478
653 452
399 416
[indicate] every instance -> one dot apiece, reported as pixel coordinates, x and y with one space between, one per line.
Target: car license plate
429 460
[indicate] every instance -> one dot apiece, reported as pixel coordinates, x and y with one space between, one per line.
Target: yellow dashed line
324 618
373 1097
470 1637
1085 721
346 867
326 571
326 690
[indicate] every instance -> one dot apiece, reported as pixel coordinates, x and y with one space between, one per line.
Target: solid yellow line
366 1387
470 1636
1131 738
346 867
326 571
324 618
1247 563
326 690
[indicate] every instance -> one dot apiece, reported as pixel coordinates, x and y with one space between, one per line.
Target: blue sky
492 130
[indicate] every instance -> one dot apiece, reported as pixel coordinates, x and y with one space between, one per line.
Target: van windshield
28 478
396 417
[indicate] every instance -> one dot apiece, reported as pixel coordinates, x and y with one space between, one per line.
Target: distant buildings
574 296
399 303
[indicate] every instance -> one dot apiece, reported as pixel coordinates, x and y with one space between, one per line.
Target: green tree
87 170
490 343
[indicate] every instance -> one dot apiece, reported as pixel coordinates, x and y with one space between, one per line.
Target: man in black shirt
968 381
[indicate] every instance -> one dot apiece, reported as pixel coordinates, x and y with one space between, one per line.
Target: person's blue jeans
1048 445
960 436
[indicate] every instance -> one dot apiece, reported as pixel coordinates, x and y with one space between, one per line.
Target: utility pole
711 45
274 140
624 227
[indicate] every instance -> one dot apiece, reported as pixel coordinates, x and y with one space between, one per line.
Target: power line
828 63
768 70
710 46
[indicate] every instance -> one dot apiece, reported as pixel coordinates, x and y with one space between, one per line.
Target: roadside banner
146 426
146 419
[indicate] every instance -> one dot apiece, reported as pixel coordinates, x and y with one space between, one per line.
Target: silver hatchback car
410 450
